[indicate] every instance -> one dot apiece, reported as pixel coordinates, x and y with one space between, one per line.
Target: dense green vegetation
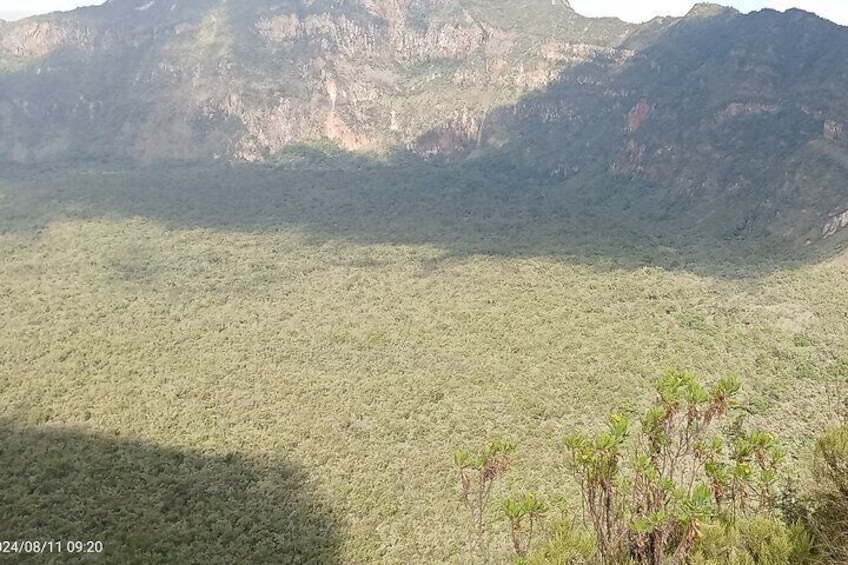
828 515
672 489
212 362
152 504
269 343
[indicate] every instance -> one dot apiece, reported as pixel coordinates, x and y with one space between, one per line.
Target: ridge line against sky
628 10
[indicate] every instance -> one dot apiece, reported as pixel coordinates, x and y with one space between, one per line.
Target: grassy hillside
275 341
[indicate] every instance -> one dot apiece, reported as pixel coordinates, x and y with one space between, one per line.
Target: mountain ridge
730 118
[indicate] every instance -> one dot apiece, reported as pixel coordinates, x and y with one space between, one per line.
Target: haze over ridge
835 10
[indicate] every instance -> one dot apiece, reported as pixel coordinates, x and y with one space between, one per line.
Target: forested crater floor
258 344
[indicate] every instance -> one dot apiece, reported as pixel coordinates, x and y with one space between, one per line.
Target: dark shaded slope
732 124
483 207
684 134
150 504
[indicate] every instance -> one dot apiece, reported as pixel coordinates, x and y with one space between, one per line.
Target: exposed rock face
212 78
833 130
737 119
747 131
638 115
36 39
835 224
736 109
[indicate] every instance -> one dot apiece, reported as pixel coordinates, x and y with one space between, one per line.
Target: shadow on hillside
463 208
150 504
546 191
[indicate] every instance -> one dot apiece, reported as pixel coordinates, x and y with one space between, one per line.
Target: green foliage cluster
525 514
829 500
355 321
755 541
672 493
649 506
317 154
478 473
565 543
747 541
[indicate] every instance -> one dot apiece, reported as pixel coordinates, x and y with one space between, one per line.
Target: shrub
829 499
525 514
674 492
650 506
565 544
755 541
477 474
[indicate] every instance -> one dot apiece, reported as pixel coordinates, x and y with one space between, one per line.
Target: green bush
526 514
674 491
754 541
829 500
565 545
649 506
478 473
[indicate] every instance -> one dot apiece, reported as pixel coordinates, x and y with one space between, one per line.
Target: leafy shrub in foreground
477 474
829 500
755 541
525 514
648 505
673 492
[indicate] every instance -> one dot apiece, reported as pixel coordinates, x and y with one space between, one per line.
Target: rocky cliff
165 79
739 117
738 121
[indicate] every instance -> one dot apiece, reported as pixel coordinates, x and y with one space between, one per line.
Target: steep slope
728 123
735 122
242 79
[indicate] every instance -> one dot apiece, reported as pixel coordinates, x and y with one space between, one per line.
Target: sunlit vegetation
827 516
671 489
356 324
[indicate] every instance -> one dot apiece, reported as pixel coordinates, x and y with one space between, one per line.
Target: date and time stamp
44 547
